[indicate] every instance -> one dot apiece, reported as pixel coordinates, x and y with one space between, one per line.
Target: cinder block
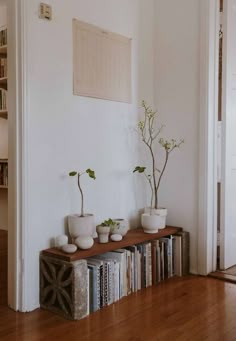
63 287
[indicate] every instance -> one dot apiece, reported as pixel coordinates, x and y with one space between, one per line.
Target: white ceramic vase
103 233
121 227
81 226
161 212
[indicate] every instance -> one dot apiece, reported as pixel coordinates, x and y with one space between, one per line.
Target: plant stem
159 180
82 196
154 176
151 186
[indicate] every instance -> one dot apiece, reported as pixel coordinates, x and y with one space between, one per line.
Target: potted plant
104 229
154 217
81 224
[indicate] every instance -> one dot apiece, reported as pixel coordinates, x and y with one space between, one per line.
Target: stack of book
119 273
3 99
3 174
3 67
3 37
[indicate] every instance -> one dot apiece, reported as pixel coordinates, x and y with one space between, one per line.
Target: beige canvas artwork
102 63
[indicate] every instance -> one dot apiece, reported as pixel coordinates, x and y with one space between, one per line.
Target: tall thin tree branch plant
149 134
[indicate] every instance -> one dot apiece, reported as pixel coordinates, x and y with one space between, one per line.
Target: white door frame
17 119
209 61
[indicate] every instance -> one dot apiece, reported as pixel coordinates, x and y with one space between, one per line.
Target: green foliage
91 173
139 169
73 173
108 222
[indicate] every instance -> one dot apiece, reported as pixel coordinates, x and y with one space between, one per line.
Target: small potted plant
104 229
154 217
82 224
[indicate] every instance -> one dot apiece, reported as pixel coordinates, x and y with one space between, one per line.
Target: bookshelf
3 101
65 279
3 174
3 73
3 49
3 114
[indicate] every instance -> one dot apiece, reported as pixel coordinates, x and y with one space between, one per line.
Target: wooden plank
135 236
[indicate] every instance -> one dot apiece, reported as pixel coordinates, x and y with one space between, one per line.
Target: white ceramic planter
81 226
161 212
103 233
122 227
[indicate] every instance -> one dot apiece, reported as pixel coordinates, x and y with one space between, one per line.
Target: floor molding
223 276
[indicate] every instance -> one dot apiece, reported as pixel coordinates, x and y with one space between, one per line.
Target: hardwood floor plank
187 308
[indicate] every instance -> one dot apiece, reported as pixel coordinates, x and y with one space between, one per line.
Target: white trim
17 196
23 129
207 231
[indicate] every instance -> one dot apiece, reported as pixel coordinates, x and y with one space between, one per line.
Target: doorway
225 228
227 108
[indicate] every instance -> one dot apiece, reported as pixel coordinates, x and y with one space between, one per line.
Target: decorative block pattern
63 287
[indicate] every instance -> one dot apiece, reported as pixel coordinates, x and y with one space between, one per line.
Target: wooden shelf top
3 187
3 83
3 160
135 236
3 49
3 80
3 114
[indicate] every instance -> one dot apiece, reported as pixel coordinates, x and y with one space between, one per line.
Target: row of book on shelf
3 37
3 174
3 67
116 274
3 99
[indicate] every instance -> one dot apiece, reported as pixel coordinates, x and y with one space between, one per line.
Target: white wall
67 132
177 99
3 144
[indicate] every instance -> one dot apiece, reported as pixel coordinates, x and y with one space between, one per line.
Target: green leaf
139 169
73 173
108 222
91 173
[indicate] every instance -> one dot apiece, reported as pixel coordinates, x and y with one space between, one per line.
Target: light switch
45 11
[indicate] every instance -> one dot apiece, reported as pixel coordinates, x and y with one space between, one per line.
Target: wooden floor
190 308
3 267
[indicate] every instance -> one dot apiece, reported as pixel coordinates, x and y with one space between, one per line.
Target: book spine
105 284
154 262
149 248
158 260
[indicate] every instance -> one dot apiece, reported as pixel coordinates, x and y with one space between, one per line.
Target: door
228 183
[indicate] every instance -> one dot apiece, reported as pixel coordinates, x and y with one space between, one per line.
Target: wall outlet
45 11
